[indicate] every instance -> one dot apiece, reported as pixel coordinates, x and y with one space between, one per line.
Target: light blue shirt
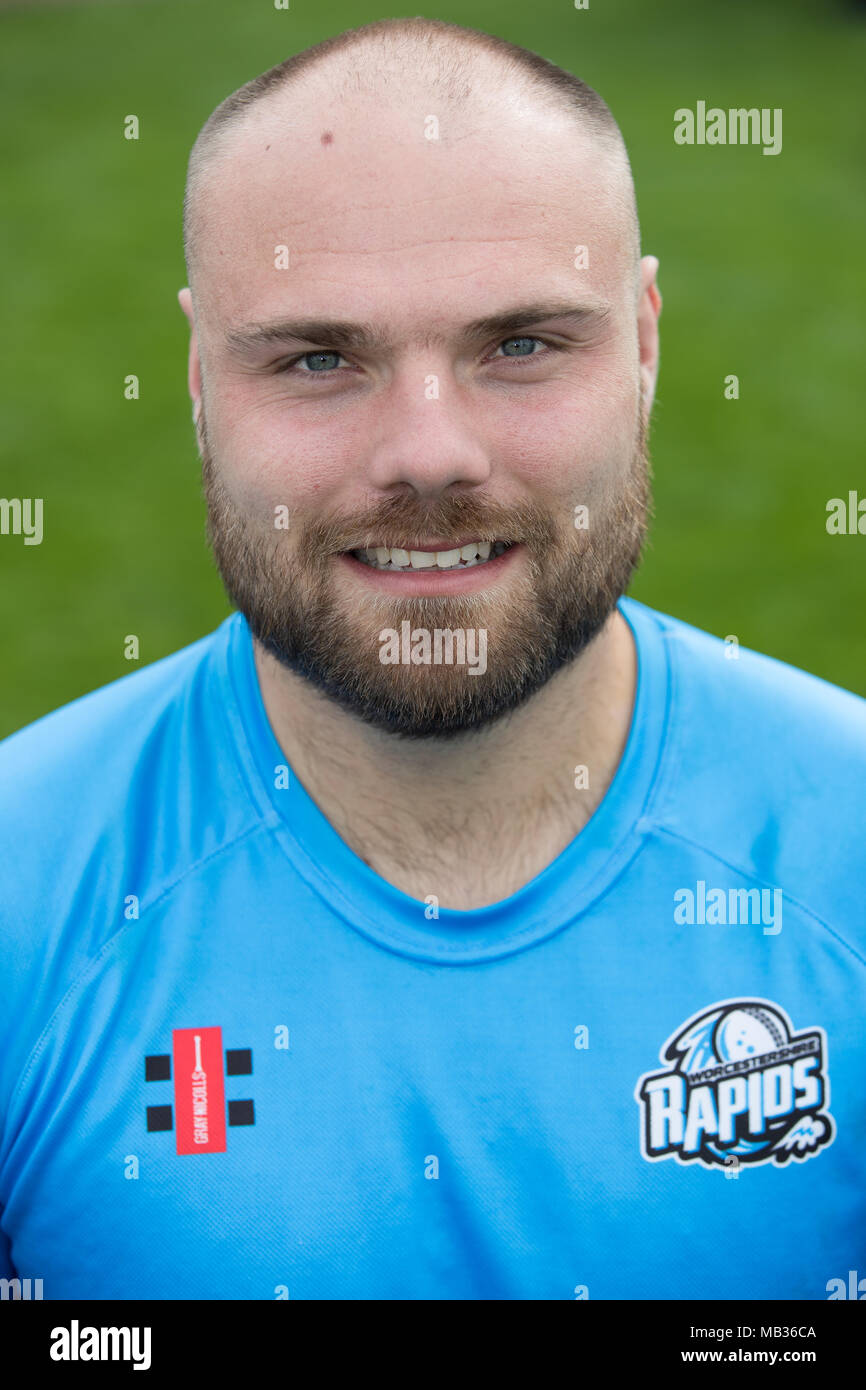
235 1063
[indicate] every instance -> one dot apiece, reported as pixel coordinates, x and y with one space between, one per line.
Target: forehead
395 211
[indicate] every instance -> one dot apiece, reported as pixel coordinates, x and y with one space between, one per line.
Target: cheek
580 434
270 453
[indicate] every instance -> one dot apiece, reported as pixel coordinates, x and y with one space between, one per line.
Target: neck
473 818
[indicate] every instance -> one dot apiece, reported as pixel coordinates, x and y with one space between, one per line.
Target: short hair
448 50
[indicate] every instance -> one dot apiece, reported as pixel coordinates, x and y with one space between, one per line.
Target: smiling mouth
383 557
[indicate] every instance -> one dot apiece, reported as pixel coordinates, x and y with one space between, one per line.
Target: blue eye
326 363
524 342
318 361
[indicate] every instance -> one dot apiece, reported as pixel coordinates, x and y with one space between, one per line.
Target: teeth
422 559
447 559
394 558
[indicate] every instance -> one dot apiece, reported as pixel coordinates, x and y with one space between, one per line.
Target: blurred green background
762 275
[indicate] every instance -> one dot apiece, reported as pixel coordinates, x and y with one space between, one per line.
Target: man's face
321 460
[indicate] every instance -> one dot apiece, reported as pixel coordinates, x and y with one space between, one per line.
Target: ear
648 309
184 299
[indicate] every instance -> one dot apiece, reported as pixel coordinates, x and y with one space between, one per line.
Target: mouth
406 559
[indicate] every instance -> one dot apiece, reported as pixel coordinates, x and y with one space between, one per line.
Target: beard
538 618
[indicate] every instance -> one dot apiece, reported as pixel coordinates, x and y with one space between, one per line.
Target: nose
425 435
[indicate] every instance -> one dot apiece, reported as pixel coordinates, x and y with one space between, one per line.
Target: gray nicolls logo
737 1079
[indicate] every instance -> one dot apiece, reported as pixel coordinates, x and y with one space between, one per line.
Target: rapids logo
739 1080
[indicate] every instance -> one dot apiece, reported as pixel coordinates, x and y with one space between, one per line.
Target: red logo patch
199 1090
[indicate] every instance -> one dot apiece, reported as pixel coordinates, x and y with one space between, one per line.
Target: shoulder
86 758
756 697
112 798
765 765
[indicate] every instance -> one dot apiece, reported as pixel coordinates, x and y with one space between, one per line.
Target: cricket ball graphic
738 1080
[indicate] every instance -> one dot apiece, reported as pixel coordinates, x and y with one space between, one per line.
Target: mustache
452 519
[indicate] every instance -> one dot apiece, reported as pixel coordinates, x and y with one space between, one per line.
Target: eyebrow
367 337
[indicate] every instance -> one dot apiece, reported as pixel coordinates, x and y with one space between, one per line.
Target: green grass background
762 275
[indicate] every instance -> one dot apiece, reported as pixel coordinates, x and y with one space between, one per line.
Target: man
445 925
